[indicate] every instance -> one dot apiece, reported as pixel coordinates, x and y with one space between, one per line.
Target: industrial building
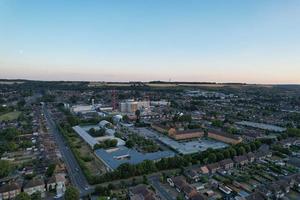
130 106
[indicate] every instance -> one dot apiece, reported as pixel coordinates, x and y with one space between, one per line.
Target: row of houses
277 189
141 192
56 183
190 192
226 164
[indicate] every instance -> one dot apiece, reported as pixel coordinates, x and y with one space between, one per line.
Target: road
154 180
74 171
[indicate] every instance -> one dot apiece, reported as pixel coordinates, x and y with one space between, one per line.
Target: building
227 164
160 128
130 106
58 183
241 160
251 157
185 134
9 191
182 186
141 192
35 185
224 137
192 175
213 168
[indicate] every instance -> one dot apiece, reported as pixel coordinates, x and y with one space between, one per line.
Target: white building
130 106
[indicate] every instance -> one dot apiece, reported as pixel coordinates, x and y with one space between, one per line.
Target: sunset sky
251 41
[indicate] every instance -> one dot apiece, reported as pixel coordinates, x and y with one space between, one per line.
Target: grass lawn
10 116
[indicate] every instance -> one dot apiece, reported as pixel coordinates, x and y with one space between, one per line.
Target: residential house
257 196
141 192
241 160
178 182
189 191
35 185
57 182
9 191
213 167
251 157
227 164
199 196
192 175
204 170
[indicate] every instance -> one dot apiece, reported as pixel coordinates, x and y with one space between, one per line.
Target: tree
125 118
247 148
145 180
212 158
72 193
5 168
23 196
129 144
242 151
36 196
138 115
232 152
220 156
253 146
50 170
217 123
226 153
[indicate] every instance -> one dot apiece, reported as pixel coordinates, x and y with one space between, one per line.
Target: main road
74 171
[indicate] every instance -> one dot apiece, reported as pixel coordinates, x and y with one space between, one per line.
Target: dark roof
34 183
188 189
256 196
199 197
143 191
191 173
239 159
179 181
9 187
217 132
251 155
264 147
213 166
226 162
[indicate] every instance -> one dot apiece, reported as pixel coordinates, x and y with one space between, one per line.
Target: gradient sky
253 41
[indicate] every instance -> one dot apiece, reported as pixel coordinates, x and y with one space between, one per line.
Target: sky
249 41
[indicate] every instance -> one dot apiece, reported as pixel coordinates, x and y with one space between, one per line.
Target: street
74 171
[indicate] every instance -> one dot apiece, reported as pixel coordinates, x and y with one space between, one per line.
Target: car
76 169
57 196
86 188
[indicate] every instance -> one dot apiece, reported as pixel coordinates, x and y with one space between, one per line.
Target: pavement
74 171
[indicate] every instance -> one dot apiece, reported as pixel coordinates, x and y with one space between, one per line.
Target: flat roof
85 136
113 159
183 147
262 126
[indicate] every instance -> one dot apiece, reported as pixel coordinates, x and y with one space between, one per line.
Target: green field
10 116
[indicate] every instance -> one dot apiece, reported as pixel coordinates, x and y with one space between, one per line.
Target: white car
58 196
